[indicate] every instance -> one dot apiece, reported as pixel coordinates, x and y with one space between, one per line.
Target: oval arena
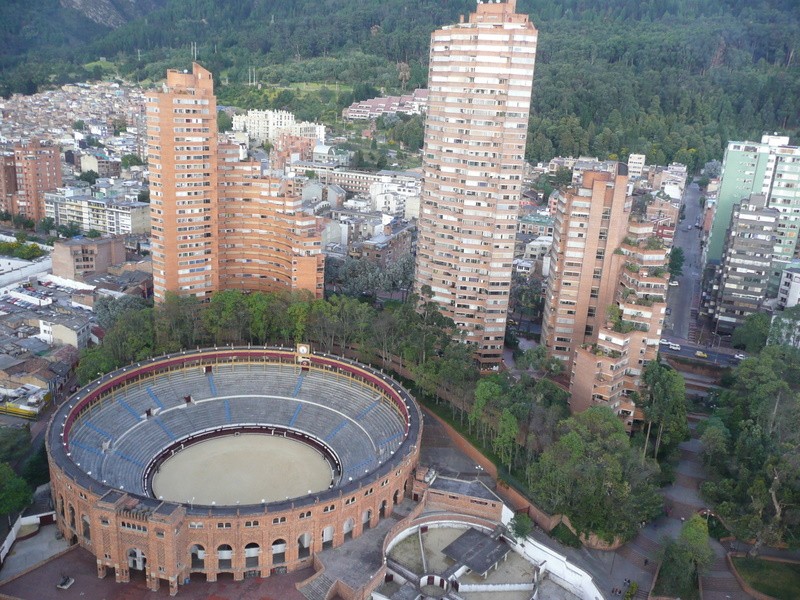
233 461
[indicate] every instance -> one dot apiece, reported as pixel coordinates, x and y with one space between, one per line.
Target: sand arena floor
245 468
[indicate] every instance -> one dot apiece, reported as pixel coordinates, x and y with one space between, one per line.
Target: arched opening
347 528
278 551
327 537
198 554
61 506
87 531
73 540
304 546
396 498
382 510
251 554
71 516
136 559
224 557
366 517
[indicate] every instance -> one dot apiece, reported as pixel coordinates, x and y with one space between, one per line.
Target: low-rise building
538 223
102 164
108 214
414 103
70 329
268 126
78 257
389 246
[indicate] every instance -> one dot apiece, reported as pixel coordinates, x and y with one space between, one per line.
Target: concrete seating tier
116 441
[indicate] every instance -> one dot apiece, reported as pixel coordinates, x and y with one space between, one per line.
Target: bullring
108 444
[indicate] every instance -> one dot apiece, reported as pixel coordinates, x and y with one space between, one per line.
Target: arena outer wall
127 531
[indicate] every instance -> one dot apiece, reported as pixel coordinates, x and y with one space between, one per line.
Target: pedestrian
646 561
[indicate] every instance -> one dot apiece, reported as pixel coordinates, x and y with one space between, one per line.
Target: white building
789 289
110 216
268 125
395 196
636 165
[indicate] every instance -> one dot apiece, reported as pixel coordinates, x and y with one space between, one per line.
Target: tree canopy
592 475
673 79
752 449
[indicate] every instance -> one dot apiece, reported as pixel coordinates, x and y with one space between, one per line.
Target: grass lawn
780 580
106 66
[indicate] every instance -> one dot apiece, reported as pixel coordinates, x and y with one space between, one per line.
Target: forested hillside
672 78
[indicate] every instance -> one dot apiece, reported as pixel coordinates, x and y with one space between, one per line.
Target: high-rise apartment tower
590 224
480 82
217 222
26 175
770 168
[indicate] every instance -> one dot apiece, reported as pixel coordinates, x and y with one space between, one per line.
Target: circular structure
309 451
221 470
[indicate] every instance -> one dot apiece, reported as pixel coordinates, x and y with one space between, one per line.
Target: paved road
723 357
684 299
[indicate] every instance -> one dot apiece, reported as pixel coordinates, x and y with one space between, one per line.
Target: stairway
317 588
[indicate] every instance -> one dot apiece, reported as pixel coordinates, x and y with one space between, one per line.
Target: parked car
701 354
664 342
674 283
674 346
740 356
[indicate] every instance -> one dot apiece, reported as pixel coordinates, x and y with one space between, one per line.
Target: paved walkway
25 553
682 500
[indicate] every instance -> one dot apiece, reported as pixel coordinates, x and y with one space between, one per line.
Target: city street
688 349
684 299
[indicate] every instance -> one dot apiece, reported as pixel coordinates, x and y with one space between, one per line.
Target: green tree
93 233
755 489
505 442
130 160
521 526
226 318
592 475
131 339
752 335
664 404
563 177
45 225
676 260
224 121
14 443
89 176
78 125
537 359
14 491
108 309
486 392
715 441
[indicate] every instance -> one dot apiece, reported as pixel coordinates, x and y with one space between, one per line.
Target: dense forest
672 78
